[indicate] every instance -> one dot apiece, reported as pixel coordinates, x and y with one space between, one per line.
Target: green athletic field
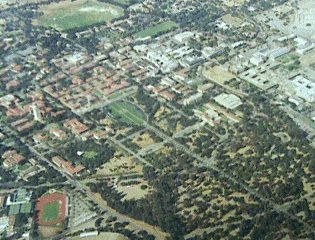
156 29
51 212
127 113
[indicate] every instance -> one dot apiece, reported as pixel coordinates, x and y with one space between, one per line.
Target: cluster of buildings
167 56
68 167
16 204
24 111
11 158
21 166
83 92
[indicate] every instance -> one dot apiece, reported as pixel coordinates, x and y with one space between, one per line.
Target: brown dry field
233 21
119 165
144 140
231 3
48 232
217 74
104 236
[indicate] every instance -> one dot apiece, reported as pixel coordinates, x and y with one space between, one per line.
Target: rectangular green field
127 113
90 155
156 29
122 2
51 211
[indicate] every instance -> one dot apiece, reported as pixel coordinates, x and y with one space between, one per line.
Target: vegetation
156 29
127 113
79 14
50 212
93 154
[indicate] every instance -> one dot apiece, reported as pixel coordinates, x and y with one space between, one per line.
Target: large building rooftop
229 101
304 88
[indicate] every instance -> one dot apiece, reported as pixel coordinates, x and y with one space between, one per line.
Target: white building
183 37
304 88
205 87
37 114
4 223
193 98
189 61
278 52
229 101
208 52
257 59
89 234
167 81
210 116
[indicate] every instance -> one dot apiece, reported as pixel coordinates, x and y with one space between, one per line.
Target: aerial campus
165 120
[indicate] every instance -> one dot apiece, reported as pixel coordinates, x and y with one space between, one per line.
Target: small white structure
37 114
192 99
257 59
208 51
89 234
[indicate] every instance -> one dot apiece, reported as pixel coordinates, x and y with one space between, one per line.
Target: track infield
52 209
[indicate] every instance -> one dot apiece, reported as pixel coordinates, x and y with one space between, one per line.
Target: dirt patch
119 164
144 140
231 3
233 21
217 74
105 235
134 191
48 232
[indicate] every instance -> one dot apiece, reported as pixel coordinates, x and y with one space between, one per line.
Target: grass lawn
24 166
127 113
81 13
51 212
287 58
90 154
156 29
122 2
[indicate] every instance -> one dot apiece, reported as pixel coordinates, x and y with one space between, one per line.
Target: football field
127 113
51 212
67 15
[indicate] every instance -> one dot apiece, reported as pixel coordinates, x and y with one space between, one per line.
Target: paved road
189 129
16 185
128 150
131 136
151 148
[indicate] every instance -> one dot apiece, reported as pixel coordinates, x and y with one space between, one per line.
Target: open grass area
156 29
122 2
81 13
90 154
24 167
287 58
51 212
127 113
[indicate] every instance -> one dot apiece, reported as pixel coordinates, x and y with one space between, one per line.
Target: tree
312 165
